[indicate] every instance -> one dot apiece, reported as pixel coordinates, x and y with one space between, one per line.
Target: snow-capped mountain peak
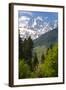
36 28
25 33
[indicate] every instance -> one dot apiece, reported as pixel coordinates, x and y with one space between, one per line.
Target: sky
34 18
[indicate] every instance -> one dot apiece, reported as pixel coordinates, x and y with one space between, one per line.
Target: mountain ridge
35 29
47 39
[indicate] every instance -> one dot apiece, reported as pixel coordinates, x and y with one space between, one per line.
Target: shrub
40 72
33 75
24 70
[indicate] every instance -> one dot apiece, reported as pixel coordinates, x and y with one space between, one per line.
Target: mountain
25 33
35 29
47 39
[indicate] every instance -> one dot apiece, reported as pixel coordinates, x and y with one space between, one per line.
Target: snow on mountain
25 33
36 29
23 21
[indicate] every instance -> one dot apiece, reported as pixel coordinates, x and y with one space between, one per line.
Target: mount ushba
35 29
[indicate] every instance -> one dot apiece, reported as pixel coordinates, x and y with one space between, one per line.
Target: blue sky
30 16
51 15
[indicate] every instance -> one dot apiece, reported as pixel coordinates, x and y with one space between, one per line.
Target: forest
30 66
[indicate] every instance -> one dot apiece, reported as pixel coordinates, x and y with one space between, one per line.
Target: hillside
47 39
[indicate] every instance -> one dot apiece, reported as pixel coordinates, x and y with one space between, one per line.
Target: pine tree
51 46
28 47
25 49
35 60
20 48
42 58
47 51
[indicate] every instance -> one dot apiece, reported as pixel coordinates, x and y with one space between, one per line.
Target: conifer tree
28 47
35 61
42 58
20 48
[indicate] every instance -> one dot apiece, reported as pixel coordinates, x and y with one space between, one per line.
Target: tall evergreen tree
35 61
51 46
28 47
47 51
25 49
20 48
42 58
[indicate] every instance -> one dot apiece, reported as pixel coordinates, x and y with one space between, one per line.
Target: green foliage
24 70
51 62
50 66
33 75
40 72
25 50
38 62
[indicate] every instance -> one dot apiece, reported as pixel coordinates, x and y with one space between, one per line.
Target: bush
33 75
24 70
40 72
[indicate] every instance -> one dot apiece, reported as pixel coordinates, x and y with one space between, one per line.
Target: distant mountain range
36 29
47 39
